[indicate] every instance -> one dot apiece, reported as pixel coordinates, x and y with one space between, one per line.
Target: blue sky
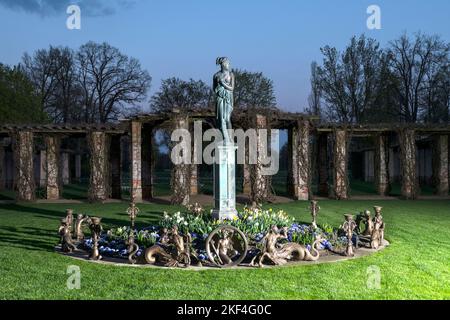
182 38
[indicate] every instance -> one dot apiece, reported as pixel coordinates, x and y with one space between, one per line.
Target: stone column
340 165
246 185
52 163
65 169
43 168
78 168
259 183
322 165
381 165
2 168
147 162
116 167
300 161
24 162
407 143
99 186
180 180
136 161
440 162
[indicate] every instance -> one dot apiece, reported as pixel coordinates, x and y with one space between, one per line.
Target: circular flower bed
254 223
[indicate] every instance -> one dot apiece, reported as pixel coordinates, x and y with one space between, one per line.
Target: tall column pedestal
225 183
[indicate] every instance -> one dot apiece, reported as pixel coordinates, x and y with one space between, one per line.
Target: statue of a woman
223 86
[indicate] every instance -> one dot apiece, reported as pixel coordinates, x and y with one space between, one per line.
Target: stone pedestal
225 182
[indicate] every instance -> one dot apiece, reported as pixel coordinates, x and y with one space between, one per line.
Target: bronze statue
132 248
96 230
69 219
377 237
164 236
223 87
226 246
173 251
368 223
81 219
66 238
348 227
280 254
314 208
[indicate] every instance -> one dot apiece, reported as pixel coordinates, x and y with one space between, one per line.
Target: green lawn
415 266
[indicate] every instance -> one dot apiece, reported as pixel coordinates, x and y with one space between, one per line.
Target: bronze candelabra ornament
373 234
132 246
96 230
314 208
348 227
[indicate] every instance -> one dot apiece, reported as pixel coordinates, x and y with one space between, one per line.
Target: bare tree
348 81
411 63
111 81
316 92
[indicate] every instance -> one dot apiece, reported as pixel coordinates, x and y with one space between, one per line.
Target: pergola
304 131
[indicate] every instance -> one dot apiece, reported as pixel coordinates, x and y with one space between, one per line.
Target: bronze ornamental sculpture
280 254
227 245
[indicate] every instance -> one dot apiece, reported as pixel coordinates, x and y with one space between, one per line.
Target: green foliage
18 102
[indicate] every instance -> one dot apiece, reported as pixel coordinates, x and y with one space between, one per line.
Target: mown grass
415 266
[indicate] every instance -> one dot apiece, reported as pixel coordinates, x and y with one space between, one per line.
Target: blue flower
201 256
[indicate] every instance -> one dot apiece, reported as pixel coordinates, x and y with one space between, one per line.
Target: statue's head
224 62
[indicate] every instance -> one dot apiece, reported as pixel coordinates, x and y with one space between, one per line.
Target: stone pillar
260 187
43 168
24 162
2 168
194 179
65 169
52 182
147 162
340 165
116 167
300 161
381 165
440 162
322 166
180 180
78 168
407 143
246 185
99 187
136 161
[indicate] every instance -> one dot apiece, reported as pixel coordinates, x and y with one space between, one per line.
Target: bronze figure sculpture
226 246
81 219
66 237
132 212
132 248
280 254
314 208
174 250
96 230
69 219
223 87
378 229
